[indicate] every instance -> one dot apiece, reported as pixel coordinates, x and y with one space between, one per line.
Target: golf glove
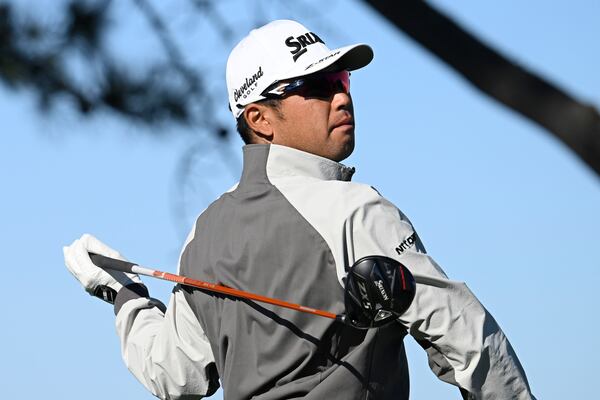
96 281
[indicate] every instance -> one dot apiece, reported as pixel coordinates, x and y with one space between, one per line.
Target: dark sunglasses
321 86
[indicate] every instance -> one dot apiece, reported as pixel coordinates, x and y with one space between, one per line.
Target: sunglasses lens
323 86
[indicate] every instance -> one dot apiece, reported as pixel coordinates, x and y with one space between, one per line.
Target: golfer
290 229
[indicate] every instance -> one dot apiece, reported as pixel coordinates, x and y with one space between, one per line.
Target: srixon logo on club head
300 43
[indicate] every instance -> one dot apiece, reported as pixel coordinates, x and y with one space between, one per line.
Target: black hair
242 125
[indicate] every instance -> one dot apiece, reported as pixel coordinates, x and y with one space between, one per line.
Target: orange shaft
239 293
129 267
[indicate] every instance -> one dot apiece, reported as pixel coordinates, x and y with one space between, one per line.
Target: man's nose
342 100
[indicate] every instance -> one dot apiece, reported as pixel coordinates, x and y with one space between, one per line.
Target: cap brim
348 58
354 57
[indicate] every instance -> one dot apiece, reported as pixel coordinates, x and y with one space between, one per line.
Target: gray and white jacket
289 230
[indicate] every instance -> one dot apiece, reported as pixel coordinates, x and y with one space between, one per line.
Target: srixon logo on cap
299 43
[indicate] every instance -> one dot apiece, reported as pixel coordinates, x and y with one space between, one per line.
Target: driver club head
378 290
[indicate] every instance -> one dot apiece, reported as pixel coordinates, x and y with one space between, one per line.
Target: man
290 229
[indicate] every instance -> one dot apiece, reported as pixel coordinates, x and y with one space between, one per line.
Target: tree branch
574 123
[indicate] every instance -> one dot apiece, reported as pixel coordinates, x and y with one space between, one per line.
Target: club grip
111 263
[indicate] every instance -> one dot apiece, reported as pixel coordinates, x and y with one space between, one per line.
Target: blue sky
498 203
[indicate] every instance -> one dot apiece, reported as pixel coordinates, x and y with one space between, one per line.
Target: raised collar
280 161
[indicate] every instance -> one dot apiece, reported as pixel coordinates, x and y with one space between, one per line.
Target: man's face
320 126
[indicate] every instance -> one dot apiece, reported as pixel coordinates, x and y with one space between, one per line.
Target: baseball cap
280 50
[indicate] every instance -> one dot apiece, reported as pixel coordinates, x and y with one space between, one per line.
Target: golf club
132 268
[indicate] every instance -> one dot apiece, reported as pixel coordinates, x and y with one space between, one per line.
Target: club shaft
124 266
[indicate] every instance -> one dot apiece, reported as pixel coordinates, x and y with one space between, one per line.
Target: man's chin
345 151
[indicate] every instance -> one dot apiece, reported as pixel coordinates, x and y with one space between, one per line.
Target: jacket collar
286 161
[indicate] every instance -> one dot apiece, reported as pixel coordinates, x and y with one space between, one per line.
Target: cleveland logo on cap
299 43
248 86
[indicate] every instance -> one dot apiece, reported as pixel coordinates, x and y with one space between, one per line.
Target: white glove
95 280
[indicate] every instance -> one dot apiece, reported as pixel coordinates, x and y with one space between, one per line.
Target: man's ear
258 118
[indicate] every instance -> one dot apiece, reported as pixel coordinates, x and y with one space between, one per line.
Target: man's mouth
348 121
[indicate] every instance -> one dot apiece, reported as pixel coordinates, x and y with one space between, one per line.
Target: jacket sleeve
464 344
166 350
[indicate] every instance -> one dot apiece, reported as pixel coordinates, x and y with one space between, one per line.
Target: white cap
280 50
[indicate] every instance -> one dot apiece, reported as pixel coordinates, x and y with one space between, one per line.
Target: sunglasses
320 86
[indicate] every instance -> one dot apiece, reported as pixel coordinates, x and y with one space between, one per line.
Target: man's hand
96 281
